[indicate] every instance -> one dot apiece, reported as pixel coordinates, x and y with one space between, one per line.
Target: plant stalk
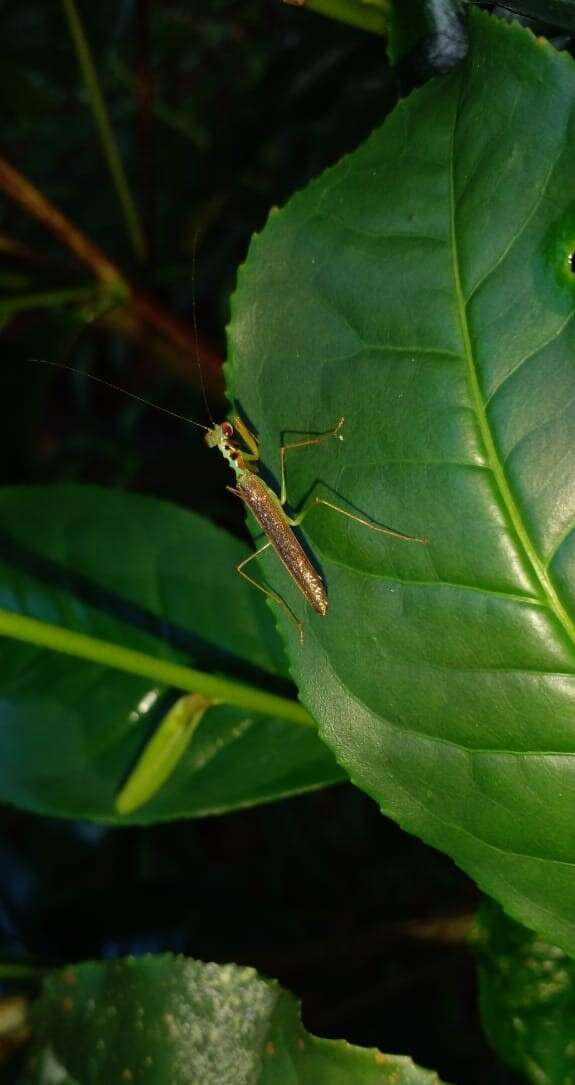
14 970
104 127
216 687
370 15
45 299
139 308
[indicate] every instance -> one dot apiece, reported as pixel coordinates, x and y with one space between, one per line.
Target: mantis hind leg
267 591
295 521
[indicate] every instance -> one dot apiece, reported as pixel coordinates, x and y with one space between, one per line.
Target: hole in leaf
571 261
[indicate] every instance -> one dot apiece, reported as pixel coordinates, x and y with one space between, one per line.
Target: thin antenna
195 327
117 388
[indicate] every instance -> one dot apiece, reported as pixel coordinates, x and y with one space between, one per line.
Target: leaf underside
423 288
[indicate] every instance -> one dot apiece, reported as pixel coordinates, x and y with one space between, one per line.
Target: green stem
217 688
17 971
370 15
45 299
102 121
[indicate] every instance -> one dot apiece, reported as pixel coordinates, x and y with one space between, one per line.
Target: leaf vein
511 597
565 536
515 237
532 354
507 498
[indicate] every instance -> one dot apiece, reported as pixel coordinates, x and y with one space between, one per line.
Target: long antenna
195 327
118 388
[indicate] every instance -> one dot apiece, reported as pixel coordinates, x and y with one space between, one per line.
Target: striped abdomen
265 507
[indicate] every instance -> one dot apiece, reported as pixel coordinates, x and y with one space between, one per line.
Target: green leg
305 444
267 591
294 521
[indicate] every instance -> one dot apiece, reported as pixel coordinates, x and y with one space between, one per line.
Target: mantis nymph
270 513
267 508
168 745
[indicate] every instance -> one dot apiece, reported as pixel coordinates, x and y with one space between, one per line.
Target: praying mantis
268 509
178 727
239 447
271 514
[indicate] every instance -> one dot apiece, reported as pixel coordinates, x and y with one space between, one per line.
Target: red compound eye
227 429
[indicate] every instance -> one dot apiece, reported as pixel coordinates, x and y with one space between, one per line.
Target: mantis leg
294 521
305 444
267 591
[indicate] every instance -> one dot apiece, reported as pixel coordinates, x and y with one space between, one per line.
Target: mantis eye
227 429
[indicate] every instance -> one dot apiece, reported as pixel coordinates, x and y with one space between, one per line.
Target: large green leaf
174 1021
527 998
144 574
423 288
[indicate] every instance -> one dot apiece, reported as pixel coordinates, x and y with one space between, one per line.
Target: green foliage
558 13
423 289
171 1020
527 997
141 573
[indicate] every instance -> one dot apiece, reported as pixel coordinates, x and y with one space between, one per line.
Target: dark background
221 110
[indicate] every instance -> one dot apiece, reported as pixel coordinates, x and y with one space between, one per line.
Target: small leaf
172 1021
163 752
527 997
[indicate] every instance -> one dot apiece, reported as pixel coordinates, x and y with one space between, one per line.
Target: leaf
174 1020
163 752
147 575
423 288
527 997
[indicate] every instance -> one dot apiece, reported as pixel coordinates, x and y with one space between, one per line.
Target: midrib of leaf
537 564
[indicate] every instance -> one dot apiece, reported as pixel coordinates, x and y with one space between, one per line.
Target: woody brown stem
19 189
140 308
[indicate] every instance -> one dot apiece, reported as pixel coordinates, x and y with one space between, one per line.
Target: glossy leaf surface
172 1020
423 288
137 572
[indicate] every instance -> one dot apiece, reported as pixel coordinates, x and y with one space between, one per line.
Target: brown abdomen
265 507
